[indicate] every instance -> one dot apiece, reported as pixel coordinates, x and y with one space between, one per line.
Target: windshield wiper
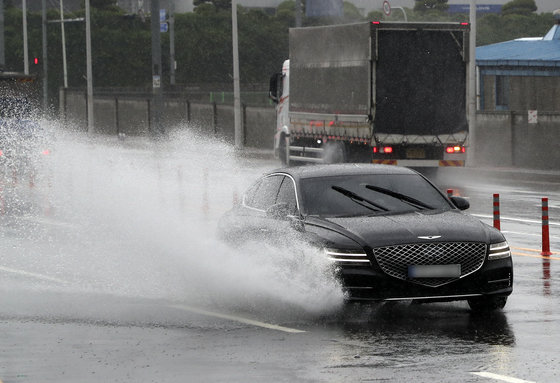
401 197
359 199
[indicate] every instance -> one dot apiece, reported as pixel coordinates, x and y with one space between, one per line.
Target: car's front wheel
485 304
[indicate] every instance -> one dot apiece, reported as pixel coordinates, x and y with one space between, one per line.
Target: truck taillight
383 149
455 149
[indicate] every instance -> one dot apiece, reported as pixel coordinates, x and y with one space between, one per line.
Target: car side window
267 192
249 196
287 195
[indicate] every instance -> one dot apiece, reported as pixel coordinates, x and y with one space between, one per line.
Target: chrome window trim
244 204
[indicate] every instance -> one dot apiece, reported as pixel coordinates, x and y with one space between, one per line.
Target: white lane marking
237 319
503 378
515 219
32 275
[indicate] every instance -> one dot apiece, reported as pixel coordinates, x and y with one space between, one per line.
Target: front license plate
434 271
415 153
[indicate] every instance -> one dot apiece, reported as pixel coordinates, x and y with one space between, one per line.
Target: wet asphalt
74 310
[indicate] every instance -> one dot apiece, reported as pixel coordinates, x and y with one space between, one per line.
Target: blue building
522 74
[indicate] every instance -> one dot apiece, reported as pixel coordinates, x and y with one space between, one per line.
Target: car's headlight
347 256
499 251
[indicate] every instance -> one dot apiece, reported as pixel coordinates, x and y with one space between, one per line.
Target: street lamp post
156 128
2 47
45 66
236 91
63 36
298 13
25 43
471 87
89 71
172 62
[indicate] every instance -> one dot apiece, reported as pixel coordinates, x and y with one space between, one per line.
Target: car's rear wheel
485 304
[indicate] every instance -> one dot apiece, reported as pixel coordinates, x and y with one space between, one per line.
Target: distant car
22 140
391 234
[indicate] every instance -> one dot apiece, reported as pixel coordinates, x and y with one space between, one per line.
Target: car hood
417 227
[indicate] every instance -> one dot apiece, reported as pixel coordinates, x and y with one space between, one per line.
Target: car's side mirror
460 202
278 211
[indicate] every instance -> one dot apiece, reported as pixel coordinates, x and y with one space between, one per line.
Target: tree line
121 43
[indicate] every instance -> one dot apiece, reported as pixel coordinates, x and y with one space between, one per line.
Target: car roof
314 171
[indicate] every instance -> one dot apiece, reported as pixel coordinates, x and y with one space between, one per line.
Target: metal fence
504 139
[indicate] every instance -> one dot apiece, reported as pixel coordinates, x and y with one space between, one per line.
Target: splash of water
138 217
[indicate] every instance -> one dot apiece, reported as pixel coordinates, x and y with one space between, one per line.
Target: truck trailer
381 92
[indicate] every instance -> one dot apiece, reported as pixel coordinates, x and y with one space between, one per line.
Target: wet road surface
110 271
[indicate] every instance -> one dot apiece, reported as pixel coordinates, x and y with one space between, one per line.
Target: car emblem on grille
429 236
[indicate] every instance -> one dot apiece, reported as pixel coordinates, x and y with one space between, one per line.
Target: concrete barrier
503 139
105 116
260 126
75 109
202 117
133 117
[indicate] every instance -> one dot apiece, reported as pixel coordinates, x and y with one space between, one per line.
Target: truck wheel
333 153
487 304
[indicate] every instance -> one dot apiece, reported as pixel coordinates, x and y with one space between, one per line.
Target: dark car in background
390 233
23 142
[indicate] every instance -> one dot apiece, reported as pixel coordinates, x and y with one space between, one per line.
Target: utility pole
236 91
298 13
25 44
2 45
156 128
63 36
172 63
45 66
89 71
471 87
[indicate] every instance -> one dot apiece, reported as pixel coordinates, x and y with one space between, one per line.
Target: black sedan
391 234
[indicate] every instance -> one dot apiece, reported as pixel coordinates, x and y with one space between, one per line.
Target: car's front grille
395 260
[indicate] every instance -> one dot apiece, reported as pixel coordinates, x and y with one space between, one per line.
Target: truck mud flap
305 154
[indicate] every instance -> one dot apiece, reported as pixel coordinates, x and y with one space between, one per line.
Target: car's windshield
394 193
